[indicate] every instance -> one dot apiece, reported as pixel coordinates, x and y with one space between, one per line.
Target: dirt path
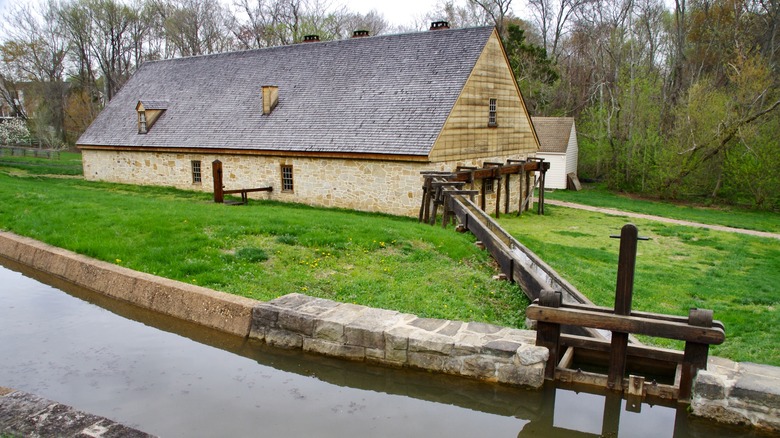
662 219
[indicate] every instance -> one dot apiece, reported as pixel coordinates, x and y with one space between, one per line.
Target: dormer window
148 113
142 122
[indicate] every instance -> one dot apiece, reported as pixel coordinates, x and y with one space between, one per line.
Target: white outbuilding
557 145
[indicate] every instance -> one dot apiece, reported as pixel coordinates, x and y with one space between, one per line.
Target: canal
172 379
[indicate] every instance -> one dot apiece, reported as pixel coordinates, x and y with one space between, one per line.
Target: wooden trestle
577 332
453 183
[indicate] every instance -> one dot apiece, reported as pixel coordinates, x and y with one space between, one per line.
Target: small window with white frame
142 122
287 178
196 173
492 114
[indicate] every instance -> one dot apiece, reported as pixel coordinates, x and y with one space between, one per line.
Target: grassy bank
68 163
264 250
268 249
598 196
681 267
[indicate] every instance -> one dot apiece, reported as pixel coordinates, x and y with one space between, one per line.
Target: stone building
347 123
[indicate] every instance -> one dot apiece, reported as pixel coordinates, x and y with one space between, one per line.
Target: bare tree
497 10
458 14
35 54
553 18
282 22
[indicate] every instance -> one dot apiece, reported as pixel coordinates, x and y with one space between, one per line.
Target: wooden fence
19 151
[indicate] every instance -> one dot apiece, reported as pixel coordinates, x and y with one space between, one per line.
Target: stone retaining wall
477 350
23 414
225 312
738 393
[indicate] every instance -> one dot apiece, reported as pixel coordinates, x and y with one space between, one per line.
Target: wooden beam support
623 295
549 334
627 324
696 353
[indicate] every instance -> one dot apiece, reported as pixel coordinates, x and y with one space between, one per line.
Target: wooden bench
243 192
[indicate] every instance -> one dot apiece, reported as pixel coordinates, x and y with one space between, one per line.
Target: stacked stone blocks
476 350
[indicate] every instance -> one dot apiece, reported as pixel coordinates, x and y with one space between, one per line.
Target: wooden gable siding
466 134
151 115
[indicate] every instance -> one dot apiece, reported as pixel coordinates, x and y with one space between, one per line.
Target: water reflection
172 378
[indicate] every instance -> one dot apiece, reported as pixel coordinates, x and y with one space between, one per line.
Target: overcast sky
397 12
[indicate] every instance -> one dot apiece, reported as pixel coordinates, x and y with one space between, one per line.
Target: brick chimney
439 25
311 38
360 33
270 98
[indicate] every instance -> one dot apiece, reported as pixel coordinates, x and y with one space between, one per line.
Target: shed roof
378 95
554 133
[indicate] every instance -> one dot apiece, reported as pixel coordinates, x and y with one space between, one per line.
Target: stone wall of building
393 187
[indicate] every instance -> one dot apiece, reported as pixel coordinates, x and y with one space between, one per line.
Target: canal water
175 379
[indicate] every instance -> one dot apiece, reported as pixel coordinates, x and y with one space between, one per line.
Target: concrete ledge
474 350
23 414
218 310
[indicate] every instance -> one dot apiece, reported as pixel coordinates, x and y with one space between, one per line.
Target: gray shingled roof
377 95
154 104
553 133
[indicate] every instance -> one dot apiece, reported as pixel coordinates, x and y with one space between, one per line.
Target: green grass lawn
69 163
266 249
736 276
597 196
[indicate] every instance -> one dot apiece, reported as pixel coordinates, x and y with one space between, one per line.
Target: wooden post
506 194
528 190
497 184
695 356
482 193
549 334
610 421
623 294
521 192
436 196
543 166
216 172
424 205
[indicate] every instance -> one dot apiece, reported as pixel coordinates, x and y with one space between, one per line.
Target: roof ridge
248 52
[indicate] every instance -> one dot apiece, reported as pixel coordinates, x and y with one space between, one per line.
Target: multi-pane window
196 175
287 178
488 182
142 122
492 113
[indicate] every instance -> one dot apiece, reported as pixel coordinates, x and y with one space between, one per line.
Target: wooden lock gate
698 330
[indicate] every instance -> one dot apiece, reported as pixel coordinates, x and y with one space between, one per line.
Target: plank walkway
614 212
